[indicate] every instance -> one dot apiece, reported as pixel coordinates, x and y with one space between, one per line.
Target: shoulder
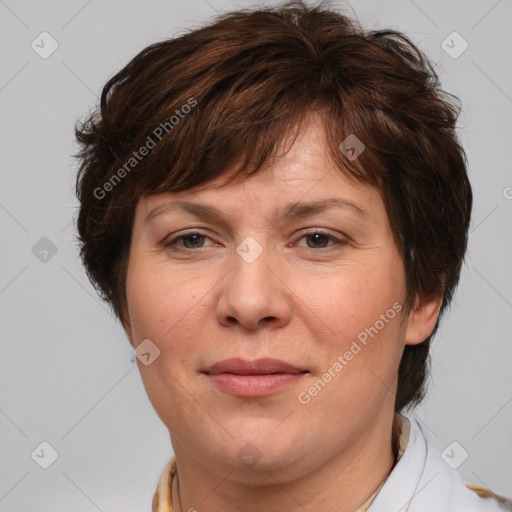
422 481
485 493
447 487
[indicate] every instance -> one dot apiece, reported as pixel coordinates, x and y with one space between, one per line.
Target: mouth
259 377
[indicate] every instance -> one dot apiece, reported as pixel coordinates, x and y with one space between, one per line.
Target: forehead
302 173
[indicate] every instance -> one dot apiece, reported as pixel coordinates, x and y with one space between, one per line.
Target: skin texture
304 300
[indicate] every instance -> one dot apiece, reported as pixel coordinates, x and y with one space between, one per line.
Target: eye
195 240
318 239
192 240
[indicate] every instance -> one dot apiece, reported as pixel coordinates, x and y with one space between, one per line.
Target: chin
266 450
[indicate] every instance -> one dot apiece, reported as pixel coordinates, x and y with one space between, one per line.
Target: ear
422 319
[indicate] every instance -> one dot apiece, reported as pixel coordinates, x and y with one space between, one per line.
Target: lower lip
254 385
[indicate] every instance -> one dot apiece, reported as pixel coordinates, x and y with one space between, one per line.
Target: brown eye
319 240
194 239
187 241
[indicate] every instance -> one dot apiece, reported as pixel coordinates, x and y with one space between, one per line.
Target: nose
254 294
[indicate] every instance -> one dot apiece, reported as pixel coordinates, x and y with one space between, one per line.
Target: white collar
422 481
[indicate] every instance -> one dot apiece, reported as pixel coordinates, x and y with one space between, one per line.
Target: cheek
351 299
359 346
164 306
167 311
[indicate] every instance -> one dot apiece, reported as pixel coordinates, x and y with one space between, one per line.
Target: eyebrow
295 210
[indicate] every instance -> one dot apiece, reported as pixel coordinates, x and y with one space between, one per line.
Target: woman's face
296 264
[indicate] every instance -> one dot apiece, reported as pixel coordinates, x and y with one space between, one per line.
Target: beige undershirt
167 484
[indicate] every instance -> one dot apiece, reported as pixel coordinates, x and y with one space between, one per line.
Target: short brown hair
249 79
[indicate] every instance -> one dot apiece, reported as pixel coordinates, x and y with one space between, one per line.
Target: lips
265 366
256 378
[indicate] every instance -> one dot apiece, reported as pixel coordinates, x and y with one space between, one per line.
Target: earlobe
423 319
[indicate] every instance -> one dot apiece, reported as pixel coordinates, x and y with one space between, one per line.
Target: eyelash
172 244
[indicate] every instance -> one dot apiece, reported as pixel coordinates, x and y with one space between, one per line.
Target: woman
276 206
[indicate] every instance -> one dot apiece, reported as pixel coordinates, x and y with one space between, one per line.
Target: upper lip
263 366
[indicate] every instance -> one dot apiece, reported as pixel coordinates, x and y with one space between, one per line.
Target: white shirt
422 481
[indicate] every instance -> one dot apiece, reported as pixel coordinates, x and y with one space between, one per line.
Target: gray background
67 372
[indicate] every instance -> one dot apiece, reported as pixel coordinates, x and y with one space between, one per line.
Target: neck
342 483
